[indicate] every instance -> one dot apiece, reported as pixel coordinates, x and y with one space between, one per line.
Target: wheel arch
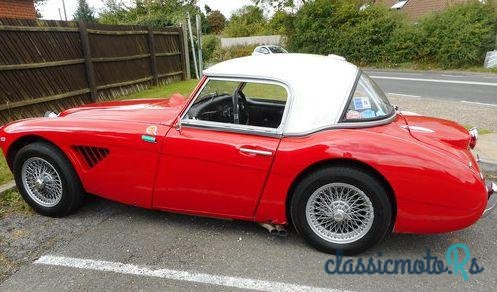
26 140
337 162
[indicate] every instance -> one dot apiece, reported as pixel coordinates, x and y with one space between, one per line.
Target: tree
279 4
216 21
38 3
84 12
157 13
246 21
207 9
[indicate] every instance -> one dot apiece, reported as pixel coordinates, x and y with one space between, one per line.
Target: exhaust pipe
278 230
281 230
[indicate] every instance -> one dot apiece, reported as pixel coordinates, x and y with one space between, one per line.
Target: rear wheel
47 180
341 209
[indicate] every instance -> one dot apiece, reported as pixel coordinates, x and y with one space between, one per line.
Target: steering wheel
243 117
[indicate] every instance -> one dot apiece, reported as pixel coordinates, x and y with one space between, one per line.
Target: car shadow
396 245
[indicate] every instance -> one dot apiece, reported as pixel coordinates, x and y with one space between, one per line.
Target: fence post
183 41
90 71
153 57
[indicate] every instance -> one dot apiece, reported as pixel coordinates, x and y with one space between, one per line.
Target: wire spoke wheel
42 182
339 213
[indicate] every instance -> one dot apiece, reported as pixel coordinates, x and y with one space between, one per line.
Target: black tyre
341 209
46 180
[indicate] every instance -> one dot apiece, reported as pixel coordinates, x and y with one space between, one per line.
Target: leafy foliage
157 13
279 4
84 12
216 21
223 54
246 21
456 37
210 43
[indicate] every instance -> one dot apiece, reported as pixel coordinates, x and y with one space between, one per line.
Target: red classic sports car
306 139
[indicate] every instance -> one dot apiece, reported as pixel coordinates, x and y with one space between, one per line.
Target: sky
50 10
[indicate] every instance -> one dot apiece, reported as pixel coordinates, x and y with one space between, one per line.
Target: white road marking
177 275
434 80
404 73
449 75
479 103
406 95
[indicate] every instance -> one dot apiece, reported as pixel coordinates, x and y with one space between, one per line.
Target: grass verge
5 174
481 131
12 202
182 87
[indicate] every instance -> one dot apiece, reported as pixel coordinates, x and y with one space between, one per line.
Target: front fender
126 175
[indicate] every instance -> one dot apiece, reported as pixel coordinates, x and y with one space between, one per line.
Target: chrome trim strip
220 127
345 125
256 152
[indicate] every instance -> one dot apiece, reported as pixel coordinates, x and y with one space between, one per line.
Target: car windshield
368 102
277 50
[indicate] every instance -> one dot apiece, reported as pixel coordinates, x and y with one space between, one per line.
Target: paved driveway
175 252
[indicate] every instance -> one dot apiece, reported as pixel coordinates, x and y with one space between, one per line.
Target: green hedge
457 37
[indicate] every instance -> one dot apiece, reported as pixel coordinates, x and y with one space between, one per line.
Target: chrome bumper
492 198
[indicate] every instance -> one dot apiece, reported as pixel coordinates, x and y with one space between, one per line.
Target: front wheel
46 180
341 209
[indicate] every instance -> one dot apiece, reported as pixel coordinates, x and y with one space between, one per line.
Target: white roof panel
319 85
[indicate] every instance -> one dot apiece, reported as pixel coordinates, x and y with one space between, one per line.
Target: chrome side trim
256 152
232 128
345 125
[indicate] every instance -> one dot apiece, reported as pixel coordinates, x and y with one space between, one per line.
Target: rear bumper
492 198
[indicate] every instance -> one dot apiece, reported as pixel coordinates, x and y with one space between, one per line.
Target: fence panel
55 65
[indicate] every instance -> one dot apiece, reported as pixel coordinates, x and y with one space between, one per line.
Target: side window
215 102
265 92
254 104
264 50
368 102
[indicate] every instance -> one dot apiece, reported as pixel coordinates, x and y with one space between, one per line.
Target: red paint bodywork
201 171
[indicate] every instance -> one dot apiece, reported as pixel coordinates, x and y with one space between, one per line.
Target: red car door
204 171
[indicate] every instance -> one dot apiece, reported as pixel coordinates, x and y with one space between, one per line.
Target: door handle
256 152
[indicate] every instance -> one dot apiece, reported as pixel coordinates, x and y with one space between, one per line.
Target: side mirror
178 126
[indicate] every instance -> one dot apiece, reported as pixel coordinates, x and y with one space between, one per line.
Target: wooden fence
55 65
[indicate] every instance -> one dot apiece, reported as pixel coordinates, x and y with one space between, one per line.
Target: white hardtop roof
319 85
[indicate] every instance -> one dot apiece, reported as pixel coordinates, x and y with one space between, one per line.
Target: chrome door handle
256 152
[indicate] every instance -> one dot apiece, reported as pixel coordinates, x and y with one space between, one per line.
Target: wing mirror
178 126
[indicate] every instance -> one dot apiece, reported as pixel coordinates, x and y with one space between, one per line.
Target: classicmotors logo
457 261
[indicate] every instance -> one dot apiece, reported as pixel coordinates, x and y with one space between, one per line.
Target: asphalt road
126 248
109 246
463 87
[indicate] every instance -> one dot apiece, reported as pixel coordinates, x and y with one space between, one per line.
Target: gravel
481 116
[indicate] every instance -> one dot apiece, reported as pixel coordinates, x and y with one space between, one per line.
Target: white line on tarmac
479 103
434 80
406 95
177 275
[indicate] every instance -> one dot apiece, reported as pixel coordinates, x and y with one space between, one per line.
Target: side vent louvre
92 155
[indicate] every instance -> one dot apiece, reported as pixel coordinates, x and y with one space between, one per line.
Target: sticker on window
368 114
352 115
361 103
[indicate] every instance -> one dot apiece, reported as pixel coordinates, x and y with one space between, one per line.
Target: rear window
277 50
368 102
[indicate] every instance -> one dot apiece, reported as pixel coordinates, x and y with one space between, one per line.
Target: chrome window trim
223 127
343 120
346 125
253 130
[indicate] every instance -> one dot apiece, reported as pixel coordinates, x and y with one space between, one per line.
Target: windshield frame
343 118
